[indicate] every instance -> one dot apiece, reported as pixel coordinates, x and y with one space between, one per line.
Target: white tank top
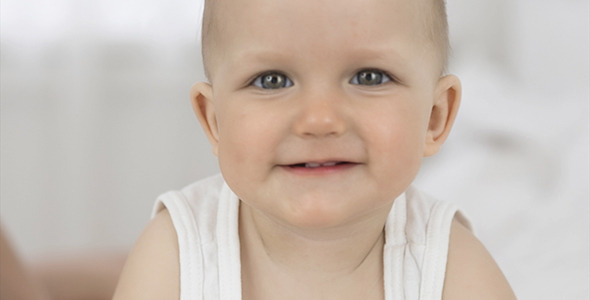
205 216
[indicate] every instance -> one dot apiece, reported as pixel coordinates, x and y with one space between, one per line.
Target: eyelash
384 77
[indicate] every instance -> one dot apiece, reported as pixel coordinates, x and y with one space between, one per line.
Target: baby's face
319 110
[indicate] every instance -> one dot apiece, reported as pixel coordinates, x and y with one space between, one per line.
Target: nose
321 115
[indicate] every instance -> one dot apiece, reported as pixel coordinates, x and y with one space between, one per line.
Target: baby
320 113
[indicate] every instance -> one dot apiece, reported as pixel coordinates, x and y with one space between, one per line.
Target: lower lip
320 171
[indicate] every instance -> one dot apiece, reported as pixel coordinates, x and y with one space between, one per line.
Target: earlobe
202 100
444 111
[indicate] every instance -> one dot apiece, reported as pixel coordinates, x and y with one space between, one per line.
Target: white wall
96 122
96 118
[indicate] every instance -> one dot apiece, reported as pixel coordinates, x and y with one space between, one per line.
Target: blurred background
96 122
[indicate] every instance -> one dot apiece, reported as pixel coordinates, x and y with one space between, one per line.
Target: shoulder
471 272
152 269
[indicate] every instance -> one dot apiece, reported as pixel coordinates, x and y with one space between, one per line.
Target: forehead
320 28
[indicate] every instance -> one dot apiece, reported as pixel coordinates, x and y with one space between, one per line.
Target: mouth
317 168
315 165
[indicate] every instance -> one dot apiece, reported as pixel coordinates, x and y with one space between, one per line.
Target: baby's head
431 14
320 112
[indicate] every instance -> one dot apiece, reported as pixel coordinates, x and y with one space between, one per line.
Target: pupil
273 81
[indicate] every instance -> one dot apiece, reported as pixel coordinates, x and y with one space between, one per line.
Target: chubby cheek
397 144
247 141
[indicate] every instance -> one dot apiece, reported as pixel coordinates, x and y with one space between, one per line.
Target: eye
370 77
272 81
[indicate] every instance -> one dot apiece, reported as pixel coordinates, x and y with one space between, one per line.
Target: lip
319 168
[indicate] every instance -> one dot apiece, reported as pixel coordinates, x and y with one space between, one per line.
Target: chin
322 213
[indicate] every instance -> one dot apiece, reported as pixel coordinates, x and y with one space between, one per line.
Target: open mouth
315 165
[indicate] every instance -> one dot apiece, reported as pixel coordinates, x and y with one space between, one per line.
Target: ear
202 100
444 111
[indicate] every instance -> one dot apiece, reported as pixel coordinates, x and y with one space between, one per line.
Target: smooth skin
152 270
281 97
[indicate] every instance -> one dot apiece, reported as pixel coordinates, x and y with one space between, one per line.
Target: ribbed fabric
205 216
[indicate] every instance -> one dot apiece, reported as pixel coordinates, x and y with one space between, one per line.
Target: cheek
400 146
248 140
238 153
399 128
396 138
246 136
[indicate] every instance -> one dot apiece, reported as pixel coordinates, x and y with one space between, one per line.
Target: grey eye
370 77
272 81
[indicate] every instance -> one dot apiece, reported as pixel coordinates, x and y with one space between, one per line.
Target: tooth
330 164
312 165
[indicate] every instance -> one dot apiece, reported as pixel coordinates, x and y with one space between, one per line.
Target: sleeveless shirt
205 217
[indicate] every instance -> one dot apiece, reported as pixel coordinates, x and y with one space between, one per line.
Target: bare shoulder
471 272
152 269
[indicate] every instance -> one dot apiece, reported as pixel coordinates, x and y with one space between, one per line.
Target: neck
355 248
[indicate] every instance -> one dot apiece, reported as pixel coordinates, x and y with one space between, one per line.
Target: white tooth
312 165
329 164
